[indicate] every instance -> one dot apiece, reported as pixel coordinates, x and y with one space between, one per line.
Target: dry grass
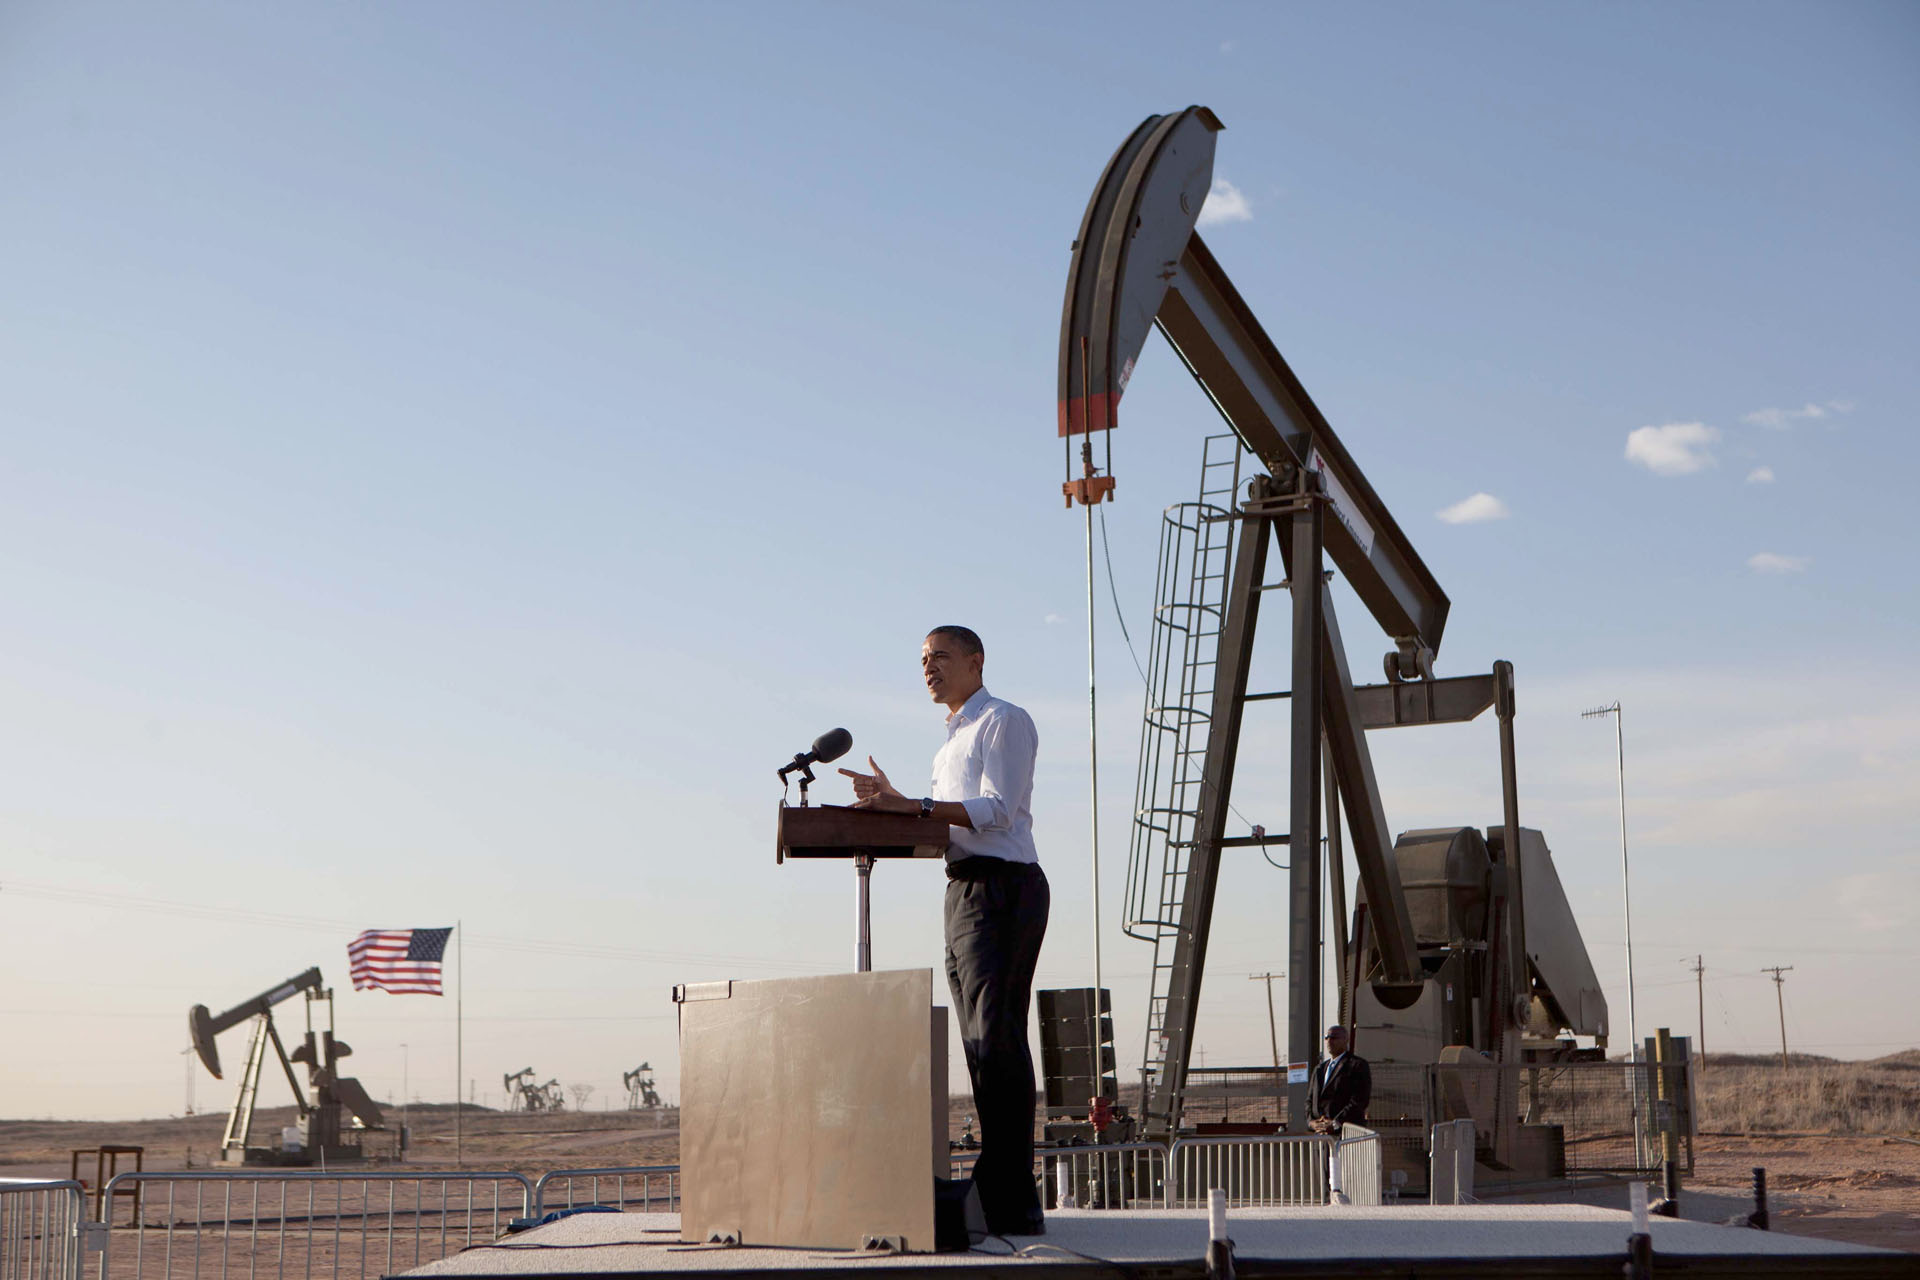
1810 1094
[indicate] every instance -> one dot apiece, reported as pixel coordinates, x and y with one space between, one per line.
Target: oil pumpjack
1463 947
339 1110
641 1095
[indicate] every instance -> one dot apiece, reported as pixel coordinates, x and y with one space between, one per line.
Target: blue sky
451 453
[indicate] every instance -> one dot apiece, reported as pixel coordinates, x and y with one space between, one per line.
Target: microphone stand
862 870
805 767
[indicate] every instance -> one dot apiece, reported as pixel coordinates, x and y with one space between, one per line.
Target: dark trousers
996 915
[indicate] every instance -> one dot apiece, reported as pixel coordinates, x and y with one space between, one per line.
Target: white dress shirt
987 765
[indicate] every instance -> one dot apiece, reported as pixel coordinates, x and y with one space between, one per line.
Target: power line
376 1017
1815 950
318 924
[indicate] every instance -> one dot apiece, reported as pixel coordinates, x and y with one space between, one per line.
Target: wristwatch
926 806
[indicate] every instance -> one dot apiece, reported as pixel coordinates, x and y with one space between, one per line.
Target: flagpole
459 1040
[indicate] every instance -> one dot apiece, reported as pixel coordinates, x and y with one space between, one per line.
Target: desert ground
1840 1143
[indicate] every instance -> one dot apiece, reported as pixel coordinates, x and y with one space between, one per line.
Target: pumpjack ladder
1190 600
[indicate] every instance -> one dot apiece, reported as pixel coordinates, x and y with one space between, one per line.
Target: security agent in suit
1342 1086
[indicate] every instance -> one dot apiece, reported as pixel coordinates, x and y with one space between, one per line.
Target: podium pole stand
831 831
863 927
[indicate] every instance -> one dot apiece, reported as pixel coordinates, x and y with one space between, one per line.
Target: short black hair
965 637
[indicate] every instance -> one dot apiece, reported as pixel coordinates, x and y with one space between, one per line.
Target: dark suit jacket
1341 1092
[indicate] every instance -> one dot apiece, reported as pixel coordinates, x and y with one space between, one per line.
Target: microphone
828 747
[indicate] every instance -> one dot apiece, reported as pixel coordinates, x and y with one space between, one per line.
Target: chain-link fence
1234 1095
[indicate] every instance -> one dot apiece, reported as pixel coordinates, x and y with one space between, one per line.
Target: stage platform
1389 1241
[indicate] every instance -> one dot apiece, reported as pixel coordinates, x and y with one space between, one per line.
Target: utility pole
1700 994
1780 997
1626 894
1273 1028
1273 1034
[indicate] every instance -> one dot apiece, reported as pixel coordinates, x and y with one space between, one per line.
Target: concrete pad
648 1243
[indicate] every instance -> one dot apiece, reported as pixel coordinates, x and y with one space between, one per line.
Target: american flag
403 961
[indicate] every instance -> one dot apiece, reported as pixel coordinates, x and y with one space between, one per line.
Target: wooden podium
835 831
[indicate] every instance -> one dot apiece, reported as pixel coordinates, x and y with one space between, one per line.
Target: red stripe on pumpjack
1089 413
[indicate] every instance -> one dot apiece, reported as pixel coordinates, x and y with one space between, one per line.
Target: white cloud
1053 619
1675 449
1225 203
1770 562
1783 419
1473 510
1883 900
1760 475
1226 46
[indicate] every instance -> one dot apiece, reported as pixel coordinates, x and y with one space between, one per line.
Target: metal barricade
40 1225
1357 1154
1285 1170
646 1187
333 1225
1129 1175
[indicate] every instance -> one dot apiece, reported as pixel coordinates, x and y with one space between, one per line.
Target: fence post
1450 1166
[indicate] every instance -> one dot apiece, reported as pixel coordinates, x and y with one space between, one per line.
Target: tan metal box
813 1111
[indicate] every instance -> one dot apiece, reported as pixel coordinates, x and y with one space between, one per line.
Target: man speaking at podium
996 908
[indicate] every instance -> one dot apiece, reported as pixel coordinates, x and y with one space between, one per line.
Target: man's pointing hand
873 791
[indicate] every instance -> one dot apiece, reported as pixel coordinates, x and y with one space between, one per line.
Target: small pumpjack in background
641 1093
524 1095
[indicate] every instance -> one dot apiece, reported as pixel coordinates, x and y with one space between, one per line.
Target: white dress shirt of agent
982 783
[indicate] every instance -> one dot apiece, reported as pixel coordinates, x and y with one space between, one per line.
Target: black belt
984 866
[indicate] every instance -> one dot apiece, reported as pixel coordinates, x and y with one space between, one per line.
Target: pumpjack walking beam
1138 264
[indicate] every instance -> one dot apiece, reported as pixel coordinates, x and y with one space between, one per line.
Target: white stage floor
1267 1241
